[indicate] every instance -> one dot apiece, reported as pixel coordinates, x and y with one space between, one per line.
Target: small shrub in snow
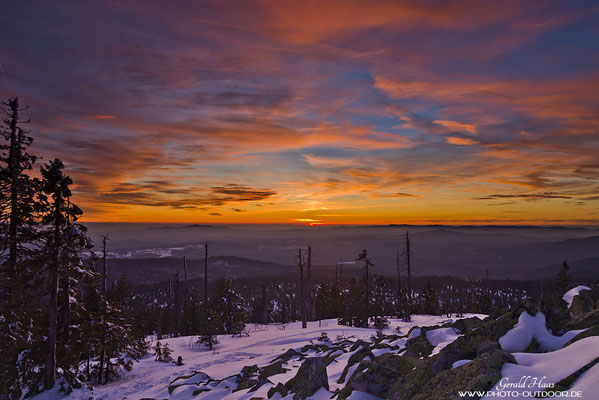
158 351
208 341
166 353
162 353
282 326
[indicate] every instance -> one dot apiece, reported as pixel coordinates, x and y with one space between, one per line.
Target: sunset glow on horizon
336 112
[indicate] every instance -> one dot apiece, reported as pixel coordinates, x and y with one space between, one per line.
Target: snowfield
150 379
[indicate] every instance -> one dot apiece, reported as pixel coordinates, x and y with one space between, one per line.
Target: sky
314 112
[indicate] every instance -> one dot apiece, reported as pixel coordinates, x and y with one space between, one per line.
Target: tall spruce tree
19 277
64 240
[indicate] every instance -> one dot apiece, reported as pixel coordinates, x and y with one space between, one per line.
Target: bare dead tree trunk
311 309
302 305
309 264
409 267
176 308
206 276
186 299
363 256
399 301
101 378
170 307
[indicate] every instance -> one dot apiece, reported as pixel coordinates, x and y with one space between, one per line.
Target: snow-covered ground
547 368
536 372
150 379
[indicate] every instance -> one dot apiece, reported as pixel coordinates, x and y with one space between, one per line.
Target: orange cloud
100 117
459 141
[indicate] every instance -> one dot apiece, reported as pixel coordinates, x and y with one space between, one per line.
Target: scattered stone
310 377
245 384
594 331
272 369
485 347
418 346
288 355
259 384
377 377
249 370
353 359
481 374
280 388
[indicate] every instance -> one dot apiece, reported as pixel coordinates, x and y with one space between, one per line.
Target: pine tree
229 307
20 303
166 354
64 241
158 351
380 303
190 324
18 193
430 300
51 310
92 326
329 301
209 326
356 312
565 278
363 256
56 185
123 344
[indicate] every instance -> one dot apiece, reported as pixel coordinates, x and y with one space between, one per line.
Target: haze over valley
509 252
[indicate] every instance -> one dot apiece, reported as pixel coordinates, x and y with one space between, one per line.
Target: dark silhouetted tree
565 277
430 300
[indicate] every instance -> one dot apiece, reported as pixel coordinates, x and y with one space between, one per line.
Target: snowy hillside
540 347
151 379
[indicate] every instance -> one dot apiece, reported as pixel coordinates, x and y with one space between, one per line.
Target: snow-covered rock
459 363
570 294
549 368
441 337
533 327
